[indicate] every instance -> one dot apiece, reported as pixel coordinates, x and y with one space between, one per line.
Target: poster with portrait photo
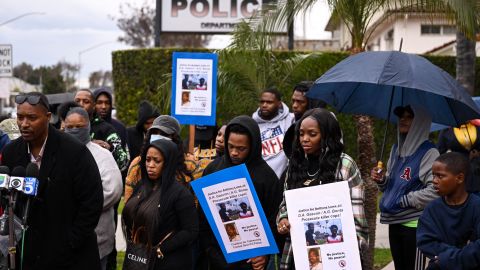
194 82
238 208
234 213
326 231
324 222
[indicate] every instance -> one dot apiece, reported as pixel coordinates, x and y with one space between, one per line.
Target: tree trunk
466 62
366 161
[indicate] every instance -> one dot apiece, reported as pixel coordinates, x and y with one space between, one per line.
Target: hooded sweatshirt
408 187
266 183
136 134
272 133
119 126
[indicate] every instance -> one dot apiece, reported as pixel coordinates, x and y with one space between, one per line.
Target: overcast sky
71 26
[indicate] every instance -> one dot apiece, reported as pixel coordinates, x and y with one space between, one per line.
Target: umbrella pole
380 162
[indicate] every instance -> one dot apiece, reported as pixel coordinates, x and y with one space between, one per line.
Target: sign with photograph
232 208
322 227
194 88
206 16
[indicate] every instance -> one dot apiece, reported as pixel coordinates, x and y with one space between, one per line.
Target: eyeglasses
32 100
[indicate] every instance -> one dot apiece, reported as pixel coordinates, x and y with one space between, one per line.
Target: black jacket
67 208
135 135
265 181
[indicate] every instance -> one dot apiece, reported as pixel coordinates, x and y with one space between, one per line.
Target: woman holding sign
158 216
317 158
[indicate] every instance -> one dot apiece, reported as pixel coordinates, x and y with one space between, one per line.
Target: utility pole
290 4
158 21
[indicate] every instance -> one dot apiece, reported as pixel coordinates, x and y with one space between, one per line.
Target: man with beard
102 133
273 118
103 108
66 210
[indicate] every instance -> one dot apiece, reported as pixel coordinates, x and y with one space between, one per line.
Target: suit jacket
67 208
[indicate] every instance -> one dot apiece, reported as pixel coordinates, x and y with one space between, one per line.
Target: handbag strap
164 238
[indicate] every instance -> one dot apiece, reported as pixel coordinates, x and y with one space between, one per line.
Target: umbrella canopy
437 127
374 83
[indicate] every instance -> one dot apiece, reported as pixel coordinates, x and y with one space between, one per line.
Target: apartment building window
432 29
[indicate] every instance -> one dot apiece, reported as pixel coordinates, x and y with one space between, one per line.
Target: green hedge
141 74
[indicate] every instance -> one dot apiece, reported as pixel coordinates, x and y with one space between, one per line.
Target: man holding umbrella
407 183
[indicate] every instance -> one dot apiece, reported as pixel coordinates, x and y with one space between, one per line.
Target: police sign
207 16
6 65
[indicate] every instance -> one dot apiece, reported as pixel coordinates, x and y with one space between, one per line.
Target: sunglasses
32 100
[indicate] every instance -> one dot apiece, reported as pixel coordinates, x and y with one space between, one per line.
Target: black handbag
138 256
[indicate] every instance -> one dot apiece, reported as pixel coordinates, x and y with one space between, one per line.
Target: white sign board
6 64
322 227
207 16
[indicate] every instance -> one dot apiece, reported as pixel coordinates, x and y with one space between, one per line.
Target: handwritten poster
322 227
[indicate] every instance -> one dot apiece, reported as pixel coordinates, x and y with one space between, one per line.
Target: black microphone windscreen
4 170
18 171
32 170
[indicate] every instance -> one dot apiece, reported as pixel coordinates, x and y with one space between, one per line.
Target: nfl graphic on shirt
272 139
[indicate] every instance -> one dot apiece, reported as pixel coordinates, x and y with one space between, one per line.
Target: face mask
81 134
155 137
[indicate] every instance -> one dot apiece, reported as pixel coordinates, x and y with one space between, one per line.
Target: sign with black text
322 227
208 16
6 65
234 212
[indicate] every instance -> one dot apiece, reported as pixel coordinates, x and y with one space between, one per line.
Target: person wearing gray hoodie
407 183
273 119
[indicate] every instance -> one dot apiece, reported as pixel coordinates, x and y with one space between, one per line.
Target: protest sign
194 88
232 208
322 227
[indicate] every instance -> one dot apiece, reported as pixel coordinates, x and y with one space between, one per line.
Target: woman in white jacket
77 124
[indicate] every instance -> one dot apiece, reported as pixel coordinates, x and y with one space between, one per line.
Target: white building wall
410 30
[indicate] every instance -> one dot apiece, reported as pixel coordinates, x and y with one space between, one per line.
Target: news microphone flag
31 182
17 179
4 177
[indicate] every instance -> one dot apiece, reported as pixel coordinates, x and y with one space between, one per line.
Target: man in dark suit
69 202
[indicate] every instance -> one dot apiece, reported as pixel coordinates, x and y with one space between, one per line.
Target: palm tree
356 15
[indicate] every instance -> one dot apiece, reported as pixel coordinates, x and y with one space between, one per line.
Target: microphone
30 188
17 179
4 180
4 177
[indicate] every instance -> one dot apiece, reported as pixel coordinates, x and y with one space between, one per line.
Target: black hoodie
265 181
136 134
167 208
119 126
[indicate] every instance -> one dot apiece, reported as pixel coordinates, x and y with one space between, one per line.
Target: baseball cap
167 124
10 127
398 111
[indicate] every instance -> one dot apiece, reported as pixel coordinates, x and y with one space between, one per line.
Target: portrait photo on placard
315 258
323 232
232 232
234 209
194 81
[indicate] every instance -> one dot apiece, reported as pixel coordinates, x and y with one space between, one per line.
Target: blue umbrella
437 127
374 83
